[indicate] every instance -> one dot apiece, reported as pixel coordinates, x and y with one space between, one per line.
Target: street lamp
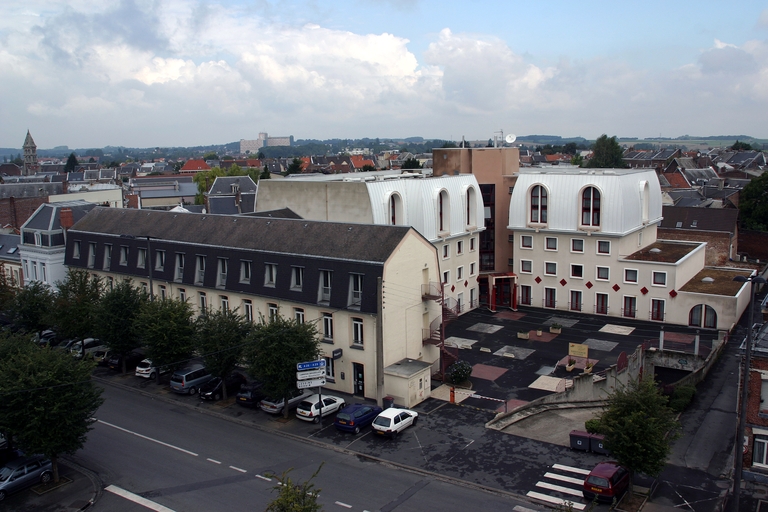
753 280
148 263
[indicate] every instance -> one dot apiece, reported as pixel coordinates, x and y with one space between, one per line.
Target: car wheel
415 420
192 390
2 495
357 430
152 376
217 396
46 477
316 419
394 434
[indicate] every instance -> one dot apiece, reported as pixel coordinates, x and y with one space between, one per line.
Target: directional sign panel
310 374
313 383
311 365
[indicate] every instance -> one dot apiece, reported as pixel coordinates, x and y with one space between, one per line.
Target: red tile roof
195 166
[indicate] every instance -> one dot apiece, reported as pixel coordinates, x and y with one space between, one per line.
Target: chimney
65 186
66 218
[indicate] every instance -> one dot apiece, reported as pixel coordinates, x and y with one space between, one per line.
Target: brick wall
718 244
754 244
754 418
15 211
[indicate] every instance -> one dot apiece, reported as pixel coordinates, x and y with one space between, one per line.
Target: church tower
30 156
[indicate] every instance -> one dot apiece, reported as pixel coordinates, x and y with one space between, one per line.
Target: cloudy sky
91 73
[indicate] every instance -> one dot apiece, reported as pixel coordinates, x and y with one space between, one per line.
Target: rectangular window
550 268
472 268
550 243
324 293
577 245
330 373
179 272
91 254
657 310
248 310
297 278
446 277
526 241
110 283
298 314
43 274
182 295
355 290
224 302
660 279
460 273
200 270
142 259
760 451
603 247
526 266
163 293
159 260
107 256
472 244
601 303
76 250
576 302
123 255
203 301
525 295
328 327
270 274
577 271
511 239
630 307
221 279
460 247
245 271
550 298
630 275
272 308
38 239
603 273
357 331
446 251
511 262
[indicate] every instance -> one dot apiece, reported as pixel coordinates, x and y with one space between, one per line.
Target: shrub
459 372
592 426
681 397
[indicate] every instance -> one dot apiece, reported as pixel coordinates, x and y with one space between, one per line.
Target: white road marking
148 438
264 478
518 508
558 488
214 461
571 469
342 504
238 469
137 499
556 501
563 478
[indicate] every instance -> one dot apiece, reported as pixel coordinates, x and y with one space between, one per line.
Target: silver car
24 472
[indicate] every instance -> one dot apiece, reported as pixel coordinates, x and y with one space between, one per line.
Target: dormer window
443 212
539 205
590 207
396 210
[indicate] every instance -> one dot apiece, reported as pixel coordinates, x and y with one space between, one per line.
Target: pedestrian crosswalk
561 485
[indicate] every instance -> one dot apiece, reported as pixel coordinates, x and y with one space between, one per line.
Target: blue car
356 416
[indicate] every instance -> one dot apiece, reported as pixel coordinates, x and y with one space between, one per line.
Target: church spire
30 156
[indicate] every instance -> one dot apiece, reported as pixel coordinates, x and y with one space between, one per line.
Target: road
184 460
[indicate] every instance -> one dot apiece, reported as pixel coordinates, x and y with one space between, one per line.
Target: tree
273 349
753 204
47 400
75 304
265 174
261 155
295 167
220 337
639 427
449 145
606 154
71 164
368 168
742 146
577 160
211 155
31 306
116 316
295 497
204 180
165 326
411 163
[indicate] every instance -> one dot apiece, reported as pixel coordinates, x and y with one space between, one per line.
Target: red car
606 482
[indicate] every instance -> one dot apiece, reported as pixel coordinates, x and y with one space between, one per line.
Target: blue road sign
311 365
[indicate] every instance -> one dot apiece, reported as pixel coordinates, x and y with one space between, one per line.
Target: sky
160 73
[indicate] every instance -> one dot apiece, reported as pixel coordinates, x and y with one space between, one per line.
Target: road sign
311 365
313 383
310 374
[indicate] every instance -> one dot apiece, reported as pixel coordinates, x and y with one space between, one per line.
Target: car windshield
382 421
597 481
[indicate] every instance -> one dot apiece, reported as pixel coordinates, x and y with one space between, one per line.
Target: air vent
708 280
655 250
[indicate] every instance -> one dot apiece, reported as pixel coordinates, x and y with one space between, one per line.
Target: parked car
189 379
250 394
23 472
354 417
146 369
101 357
87 347
276 405
310 409
212 390
607 481
132 359
46 338
392 421
65 345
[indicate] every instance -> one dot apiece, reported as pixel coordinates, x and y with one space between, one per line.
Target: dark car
607 481
356 416
212 390
115 361
250 394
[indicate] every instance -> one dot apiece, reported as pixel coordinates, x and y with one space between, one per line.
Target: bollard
453 395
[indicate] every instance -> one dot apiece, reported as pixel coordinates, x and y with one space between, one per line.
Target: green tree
607 154
71 164
577 160
204 180
211 155
368 168
166 328
75 304
273 349
295 167
449 145
638 426
47 400
116 316
220 337
742 146
31 307
265 174
293 496
753 204
411 163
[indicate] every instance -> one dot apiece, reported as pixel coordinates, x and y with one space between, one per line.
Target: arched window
644 200
590 207
539 204
471 207
396 210
709 319
443 212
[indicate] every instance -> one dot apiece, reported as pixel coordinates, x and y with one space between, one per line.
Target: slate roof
47 218
222 185
29 189
9 247
283 213
184 190
227 205
333 240
702 219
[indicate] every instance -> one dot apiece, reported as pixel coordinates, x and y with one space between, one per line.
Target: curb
98 485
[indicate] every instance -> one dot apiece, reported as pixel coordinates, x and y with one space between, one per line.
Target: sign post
311 374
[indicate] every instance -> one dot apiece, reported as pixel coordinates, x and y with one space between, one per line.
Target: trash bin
388 402
597 444
580 440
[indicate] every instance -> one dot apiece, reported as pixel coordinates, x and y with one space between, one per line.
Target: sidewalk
79 489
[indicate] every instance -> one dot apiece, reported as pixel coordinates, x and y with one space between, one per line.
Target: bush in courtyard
592 426
681 397
459 372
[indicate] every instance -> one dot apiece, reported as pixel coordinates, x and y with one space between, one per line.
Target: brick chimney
66 218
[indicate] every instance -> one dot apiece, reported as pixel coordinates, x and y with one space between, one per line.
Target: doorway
358 370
